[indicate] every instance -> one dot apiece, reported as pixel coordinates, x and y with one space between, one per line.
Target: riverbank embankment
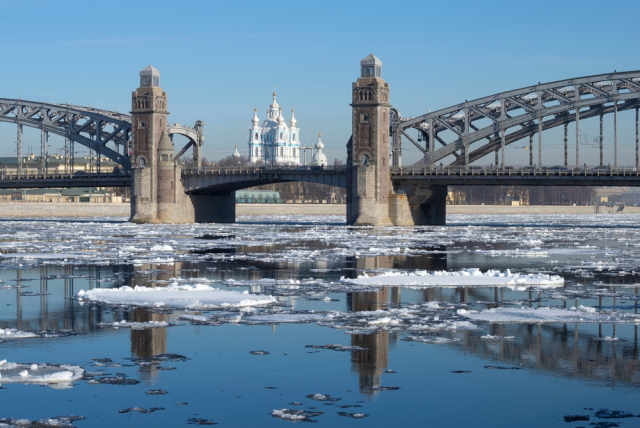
30 209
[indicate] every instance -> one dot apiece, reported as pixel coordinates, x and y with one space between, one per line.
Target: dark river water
398 355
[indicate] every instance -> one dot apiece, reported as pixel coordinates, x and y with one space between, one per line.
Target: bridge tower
369 184
157 192
149 120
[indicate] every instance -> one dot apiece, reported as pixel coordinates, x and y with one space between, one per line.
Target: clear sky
219 59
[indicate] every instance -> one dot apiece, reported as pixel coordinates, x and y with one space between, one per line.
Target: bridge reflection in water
564 350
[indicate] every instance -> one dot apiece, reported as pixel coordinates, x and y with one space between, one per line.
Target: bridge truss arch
195 137
107 133
530 110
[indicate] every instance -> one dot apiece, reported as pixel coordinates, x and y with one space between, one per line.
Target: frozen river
497 321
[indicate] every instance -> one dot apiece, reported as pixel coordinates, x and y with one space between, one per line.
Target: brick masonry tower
158 194
149 114
368 185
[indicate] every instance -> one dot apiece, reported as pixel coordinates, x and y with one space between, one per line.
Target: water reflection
370 364
148 342
566 350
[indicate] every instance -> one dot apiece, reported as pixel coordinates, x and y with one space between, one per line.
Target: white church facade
274 141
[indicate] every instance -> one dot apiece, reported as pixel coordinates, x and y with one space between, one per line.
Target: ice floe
295 415
56 374
548 315
462 278
135 325
56 422
12 333
197 296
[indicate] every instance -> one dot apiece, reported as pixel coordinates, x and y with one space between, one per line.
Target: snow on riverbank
62 375
548 315
197 296
462 278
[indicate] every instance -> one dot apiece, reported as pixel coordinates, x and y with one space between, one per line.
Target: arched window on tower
256 150
281 151
281 135
256 136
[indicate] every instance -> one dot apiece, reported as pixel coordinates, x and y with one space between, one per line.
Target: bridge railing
210 170
35 174
584 170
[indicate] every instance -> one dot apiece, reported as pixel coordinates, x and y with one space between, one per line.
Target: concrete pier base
399 211
418 205
429 206
214 208
176 206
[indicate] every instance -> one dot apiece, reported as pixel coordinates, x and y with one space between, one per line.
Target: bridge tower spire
369 183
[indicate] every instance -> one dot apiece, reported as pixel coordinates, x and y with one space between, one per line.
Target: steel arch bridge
530 110
108 133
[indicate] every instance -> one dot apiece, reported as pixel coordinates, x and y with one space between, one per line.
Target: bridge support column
566 147
601 140
615 134
577 137
19 149
415 204
44 150
214 208
540 142
143 208
637 143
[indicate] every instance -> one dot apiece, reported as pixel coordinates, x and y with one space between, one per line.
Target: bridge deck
228 179
32 180
518 176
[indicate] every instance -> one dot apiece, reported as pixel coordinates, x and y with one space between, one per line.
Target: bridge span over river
380 190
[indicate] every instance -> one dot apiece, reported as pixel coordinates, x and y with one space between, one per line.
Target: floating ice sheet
462 278
135 325
548 315
197 296
60 375
11 333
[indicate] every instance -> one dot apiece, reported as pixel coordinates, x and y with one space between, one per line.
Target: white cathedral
274 141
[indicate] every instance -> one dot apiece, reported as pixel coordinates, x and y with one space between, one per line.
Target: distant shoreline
78 209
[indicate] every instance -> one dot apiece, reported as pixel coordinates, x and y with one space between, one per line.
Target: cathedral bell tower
149 115
369 182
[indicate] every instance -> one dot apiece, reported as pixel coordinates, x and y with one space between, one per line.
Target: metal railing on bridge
530 171
36 174
210 170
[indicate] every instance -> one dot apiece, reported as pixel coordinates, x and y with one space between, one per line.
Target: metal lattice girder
88 126
520 108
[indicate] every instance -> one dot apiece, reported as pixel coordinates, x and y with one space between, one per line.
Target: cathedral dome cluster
274 141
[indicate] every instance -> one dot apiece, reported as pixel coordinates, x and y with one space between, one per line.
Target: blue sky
219 59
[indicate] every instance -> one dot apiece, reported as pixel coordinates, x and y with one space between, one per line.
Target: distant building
57 164
274 141
258 196
76 194
319 158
